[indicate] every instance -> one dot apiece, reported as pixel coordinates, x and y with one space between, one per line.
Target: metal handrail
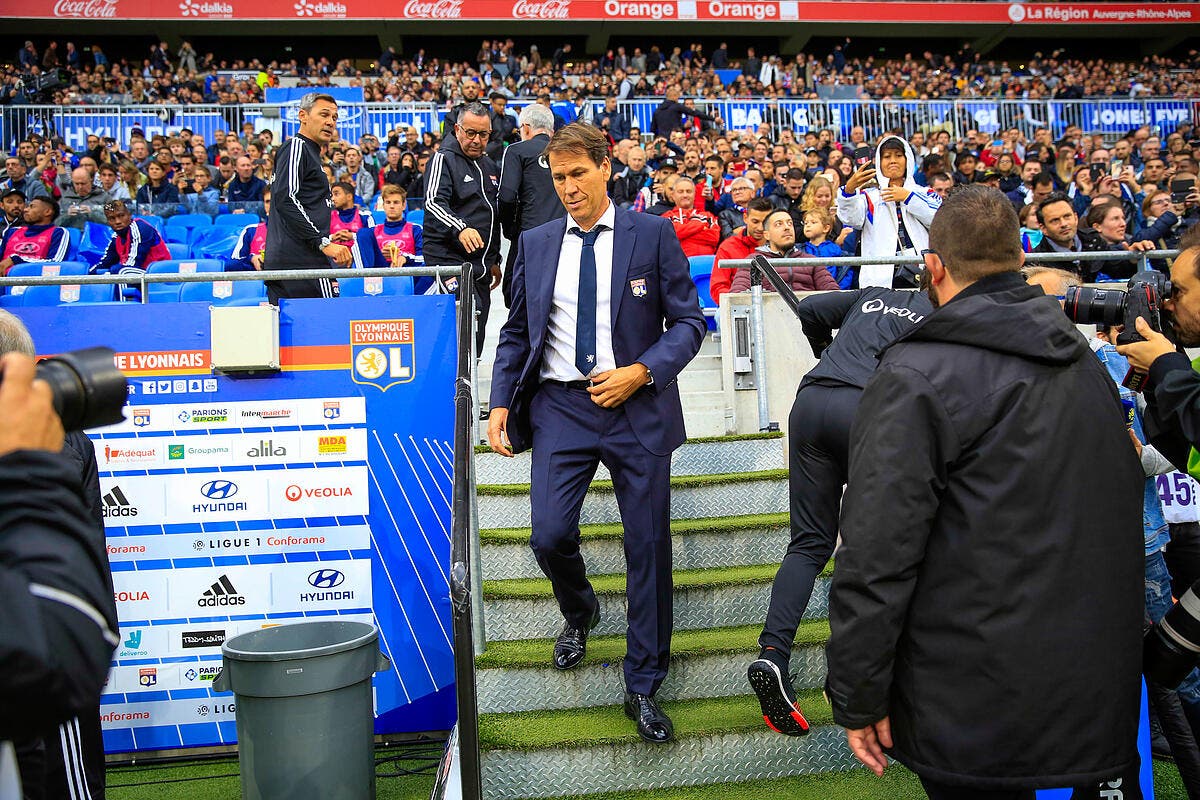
860 261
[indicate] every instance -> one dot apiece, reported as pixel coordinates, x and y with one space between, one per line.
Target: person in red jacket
780 235
742 244
698 231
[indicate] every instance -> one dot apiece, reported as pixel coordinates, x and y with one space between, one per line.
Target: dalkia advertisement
233 503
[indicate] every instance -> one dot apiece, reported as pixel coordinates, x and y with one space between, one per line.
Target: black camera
1146 292
89 390
1171 649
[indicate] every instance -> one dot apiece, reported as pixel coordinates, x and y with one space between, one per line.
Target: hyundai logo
326 578
219 490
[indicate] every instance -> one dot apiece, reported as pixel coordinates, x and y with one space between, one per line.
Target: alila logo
116 504
221 593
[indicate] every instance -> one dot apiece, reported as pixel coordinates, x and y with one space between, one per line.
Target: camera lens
1171 648
1088 306
88 389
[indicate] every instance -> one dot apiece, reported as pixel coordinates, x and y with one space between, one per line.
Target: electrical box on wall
245 338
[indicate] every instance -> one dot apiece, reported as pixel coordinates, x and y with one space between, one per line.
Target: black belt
581 385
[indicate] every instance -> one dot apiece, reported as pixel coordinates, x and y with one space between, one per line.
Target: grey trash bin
305 718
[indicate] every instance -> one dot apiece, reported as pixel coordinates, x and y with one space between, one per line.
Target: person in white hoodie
893 215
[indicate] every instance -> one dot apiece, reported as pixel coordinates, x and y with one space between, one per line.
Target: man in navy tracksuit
298 224
819 441
461 222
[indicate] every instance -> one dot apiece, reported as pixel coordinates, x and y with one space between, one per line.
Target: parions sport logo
382 352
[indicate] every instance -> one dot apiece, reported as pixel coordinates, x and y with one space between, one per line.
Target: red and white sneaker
774 689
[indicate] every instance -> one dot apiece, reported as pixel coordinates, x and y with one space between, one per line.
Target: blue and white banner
237 503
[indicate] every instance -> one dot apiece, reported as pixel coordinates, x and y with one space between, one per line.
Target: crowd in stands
721 189
183 76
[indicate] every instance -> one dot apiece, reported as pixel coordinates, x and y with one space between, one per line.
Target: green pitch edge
736 437
897 783
526 653
608 725
679 527
677 482
539 588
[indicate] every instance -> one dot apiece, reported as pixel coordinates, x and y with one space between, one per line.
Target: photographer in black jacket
57 626
1173 389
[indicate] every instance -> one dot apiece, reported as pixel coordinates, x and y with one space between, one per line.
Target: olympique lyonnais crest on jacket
381 352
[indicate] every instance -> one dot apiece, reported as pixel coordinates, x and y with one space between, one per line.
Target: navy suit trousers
571 437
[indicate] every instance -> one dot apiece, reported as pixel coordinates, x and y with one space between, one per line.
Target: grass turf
539 588
584 727
605 649
679 527
677 482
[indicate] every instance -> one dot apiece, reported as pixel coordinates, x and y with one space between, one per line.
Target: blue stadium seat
184 227
75 235
703 292
169 292
370 287
68 294
416 216
13 294
216 242
380 217
235 220
225 293
94 242
180 250
153 219
700 265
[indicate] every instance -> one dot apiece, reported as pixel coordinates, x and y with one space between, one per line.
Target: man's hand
470 239
256 261
868 743
28 406
497 275
861 177
611 389
497 432
342 236
338 252
1138 247
5 266
1142 354
1137 443
894 194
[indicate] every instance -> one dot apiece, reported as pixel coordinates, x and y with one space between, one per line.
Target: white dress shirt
558 359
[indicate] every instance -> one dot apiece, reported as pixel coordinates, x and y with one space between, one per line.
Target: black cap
668 162
808 150
11 192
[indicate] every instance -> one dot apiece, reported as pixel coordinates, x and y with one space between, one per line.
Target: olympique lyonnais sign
614 10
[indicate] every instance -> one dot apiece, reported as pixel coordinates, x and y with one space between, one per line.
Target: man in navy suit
603 318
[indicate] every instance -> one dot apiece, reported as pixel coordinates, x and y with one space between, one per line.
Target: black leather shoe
653 724
571 644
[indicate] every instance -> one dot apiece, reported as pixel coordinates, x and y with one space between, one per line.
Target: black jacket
988 594
626 184
867 321
299 218
58 620
615 123
527 197
669 115
1173 408
1088 269
460 193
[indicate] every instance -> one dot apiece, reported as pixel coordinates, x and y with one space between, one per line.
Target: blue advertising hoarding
237 502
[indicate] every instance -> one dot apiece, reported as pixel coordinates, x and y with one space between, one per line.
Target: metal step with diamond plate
696 544
716 598
588 750
753 452
692 497
518 676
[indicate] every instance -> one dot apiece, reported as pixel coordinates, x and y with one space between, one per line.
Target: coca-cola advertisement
546 9
433 9
86 9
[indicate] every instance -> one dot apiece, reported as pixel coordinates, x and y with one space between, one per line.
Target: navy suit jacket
660 325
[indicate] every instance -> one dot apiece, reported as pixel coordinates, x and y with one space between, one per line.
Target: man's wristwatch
649 376
325 242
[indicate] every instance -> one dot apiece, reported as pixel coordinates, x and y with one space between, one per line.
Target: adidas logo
468 179
221 593
116 504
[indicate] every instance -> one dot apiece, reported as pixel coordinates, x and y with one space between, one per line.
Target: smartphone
862 156
110 141
1116 170
1181 188
1097 172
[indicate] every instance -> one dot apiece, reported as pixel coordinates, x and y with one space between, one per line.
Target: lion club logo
381 352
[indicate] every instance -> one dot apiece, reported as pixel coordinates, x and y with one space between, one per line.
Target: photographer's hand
28 405
1142 354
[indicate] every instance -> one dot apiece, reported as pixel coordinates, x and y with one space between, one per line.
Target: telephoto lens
1089 306
1171 648
89 391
